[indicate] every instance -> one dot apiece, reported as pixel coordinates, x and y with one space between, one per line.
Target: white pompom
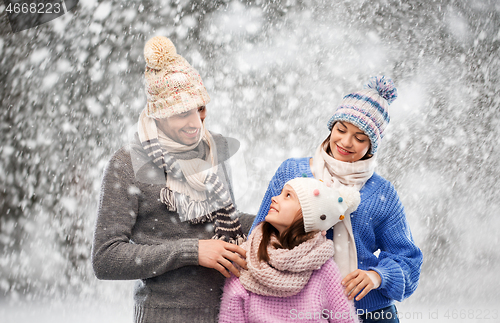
351 197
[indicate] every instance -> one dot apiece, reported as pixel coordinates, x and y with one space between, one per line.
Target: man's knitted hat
172 85
323 206
368 109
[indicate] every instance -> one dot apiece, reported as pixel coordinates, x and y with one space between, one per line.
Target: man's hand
361 280
219 254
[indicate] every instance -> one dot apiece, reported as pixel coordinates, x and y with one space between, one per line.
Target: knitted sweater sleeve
288 170
233 308
114 255
400 260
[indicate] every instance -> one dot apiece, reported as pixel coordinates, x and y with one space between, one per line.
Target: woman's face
347 142
284 209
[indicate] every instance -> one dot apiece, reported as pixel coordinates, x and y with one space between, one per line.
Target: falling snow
72 90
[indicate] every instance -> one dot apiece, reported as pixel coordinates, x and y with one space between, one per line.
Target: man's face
203 113
183 128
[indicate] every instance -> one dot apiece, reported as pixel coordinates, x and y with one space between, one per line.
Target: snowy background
71 90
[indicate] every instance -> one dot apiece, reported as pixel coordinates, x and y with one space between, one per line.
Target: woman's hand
358 280
219 254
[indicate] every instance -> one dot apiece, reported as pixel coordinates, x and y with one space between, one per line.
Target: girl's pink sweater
321 300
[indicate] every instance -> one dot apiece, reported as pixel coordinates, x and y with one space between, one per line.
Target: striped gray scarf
227 226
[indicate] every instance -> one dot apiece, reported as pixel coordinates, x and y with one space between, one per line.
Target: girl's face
284 209
347 142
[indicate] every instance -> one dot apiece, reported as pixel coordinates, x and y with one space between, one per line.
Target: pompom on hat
368 109
172 85
323 206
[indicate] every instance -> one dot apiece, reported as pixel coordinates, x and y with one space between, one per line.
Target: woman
348 157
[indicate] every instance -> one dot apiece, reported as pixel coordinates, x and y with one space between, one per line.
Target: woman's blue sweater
379 223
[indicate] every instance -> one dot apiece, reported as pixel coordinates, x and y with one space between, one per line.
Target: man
166 213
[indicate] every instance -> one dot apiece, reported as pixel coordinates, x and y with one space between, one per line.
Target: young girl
291 274
348 157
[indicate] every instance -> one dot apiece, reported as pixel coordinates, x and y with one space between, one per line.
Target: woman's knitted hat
172 85
368 109
323 206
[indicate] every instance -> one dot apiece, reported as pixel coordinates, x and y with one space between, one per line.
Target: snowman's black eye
322 217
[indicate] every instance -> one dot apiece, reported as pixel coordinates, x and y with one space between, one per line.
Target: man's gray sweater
137 238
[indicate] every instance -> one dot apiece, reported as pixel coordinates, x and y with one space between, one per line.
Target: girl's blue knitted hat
368 109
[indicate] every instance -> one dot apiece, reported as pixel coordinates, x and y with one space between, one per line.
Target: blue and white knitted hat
368 109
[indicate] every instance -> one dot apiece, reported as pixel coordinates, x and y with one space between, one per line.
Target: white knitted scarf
336 173
288 270
195 170
193 188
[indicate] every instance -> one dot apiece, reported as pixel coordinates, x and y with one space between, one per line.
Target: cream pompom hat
172 85
323 206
